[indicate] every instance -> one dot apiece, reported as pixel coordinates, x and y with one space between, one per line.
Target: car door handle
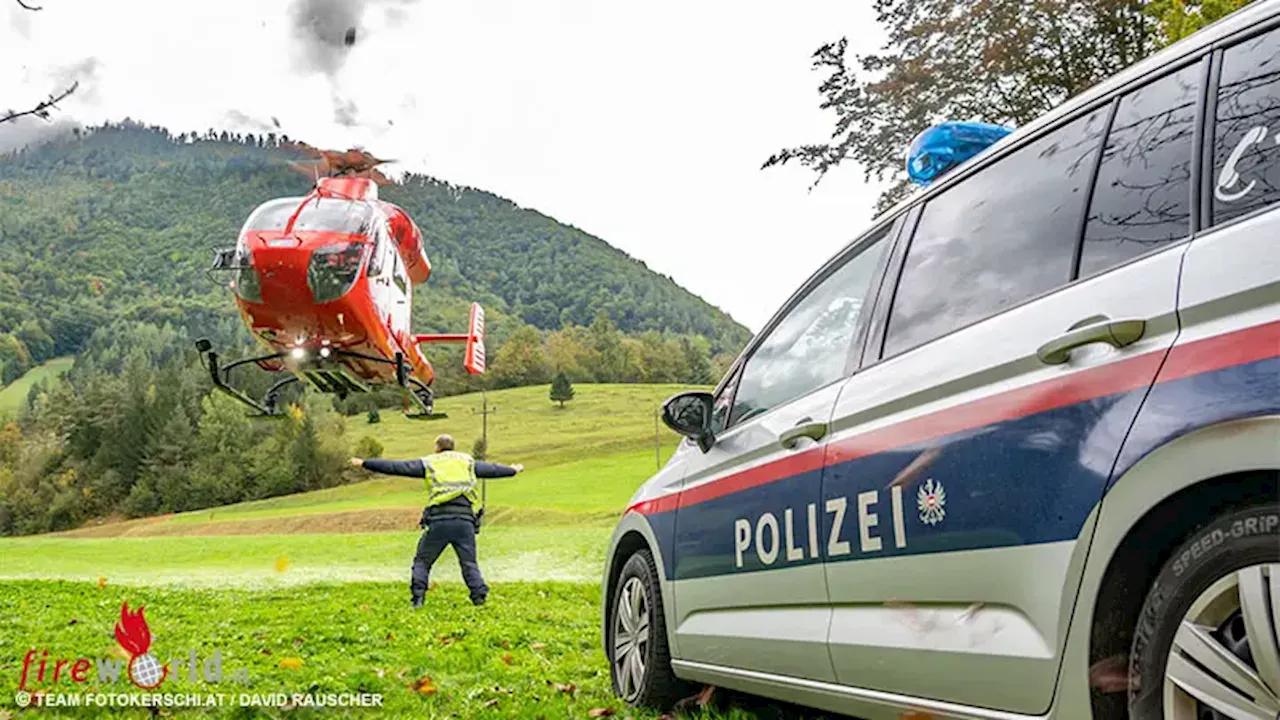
812 430
1116 333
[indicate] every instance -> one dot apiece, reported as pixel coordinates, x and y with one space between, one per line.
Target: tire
652 684
1218 597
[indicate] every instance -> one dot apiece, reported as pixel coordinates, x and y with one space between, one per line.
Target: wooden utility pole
484 413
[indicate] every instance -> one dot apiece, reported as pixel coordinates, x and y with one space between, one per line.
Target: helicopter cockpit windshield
334 215
272 215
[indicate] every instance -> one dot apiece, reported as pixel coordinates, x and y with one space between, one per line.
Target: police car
1014 451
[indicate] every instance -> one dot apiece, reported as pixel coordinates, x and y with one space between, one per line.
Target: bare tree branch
42 110
25 6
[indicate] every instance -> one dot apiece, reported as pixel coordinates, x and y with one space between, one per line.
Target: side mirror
690 415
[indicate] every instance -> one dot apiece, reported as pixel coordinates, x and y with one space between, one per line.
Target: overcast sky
642 123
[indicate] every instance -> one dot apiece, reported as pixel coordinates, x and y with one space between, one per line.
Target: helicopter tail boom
474 361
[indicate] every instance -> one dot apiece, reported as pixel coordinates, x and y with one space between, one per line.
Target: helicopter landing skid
415 392
220 375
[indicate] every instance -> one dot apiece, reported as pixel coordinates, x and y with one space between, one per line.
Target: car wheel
639 658
1207 645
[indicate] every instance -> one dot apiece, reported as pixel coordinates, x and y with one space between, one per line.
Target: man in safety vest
452 514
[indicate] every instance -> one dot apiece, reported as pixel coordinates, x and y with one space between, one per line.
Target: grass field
532 652
334 604
527 427
13 395
583 463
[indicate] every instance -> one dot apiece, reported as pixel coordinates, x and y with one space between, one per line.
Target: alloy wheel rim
1210 673
631 638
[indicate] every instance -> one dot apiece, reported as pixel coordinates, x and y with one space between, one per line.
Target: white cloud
644 124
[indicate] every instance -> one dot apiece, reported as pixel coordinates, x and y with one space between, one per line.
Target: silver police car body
1012 453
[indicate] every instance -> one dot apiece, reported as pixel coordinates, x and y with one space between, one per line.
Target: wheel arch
632 535
1150 510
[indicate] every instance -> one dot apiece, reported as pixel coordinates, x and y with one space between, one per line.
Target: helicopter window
335 215
398 276
377 259
272 215
333 270
246 282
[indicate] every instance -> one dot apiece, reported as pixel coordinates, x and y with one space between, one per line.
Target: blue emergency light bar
946 145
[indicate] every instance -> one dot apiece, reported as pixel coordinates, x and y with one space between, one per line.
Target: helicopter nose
283 274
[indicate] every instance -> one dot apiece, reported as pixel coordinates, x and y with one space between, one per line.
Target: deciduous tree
999 61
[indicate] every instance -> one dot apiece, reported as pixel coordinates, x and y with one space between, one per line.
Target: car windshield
334 215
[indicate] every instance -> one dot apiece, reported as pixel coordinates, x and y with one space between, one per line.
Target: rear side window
1246 156
810 346
1142 199
997 238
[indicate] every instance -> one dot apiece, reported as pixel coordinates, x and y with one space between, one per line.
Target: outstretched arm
495 470
403 468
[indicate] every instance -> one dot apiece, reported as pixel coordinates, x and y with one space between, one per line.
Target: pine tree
561 389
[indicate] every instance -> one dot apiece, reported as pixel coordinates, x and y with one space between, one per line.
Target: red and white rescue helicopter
325 284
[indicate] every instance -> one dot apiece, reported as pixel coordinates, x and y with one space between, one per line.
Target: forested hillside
104 241
119 222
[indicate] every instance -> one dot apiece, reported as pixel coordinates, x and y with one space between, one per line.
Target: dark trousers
461 534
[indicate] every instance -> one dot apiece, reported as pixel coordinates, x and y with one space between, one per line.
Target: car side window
809 347
720 405
1142 198
1246 156
997 238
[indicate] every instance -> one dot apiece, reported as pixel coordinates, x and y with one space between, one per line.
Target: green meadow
327 611
13 395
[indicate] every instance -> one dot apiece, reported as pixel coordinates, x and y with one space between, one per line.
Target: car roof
1184 49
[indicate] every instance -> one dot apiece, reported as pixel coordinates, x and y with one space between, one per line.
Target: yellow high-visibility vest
450 474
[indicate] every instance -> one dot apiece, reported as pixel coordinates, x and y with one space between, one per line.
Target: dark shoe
417 603
478 601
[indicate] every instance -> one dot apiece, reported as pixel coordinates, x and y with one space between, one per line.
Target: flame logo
132 632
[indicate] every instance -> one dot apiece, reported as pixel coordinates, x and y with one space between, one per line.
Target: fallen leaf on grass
491 703
431 586
568 689
297 641
364 607
102 581
73 621
403 671
506 644
506 658
282 563
379 672
538 646
391 636
700 700
445 639
292 663
265 651
424 686
600 712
